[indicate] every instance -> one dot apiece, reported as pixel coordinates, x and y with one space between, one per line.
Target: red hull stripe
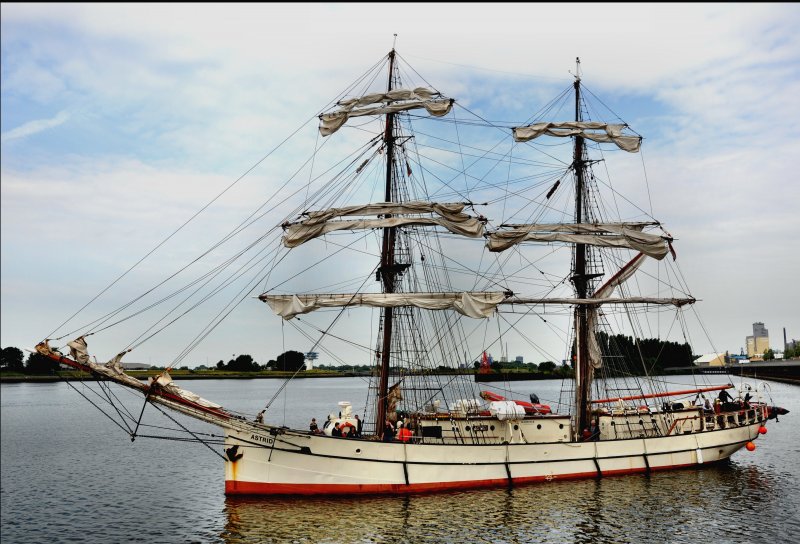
256 488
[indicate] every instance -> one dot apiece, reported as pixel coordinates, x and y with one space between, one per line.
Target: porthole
560 425
641 422
516 427
467 428
612 423
539 426
358 450
491 427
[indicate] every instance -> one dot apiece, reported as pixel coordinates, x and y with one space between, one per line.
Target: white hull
303 464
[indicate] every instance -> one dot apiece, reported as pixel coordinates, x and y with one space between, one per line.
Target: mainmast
386 270
580 279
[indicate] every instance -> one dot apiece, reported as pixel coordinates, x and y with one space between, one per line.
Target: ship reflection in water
723 503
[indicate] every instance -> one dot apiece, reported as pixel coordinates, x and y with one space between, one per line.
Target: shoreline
175 376
756 371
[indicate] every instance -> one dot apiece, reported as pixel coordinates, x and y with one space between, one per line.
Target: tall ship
418 235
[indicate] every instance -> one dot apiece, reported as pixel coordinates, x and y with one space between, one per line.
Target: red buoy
762 430
750 446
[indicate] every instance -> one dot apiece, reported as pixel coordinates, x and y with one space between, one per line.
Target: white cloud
33 127
165 115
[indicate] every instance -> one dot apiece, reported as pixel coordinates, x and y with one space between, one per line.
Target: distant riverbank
176 375
180 375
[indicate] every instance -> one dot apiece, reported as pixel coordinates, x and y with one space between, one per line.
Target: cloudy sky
119 122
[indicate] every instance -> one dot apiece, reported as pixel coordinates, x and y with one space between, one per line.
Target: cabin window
433 431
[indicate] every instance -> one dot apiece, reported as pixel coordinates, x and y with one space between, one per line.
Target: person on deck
591 433
403 433
313 427
336 430
724 396
359 426
718 412
388 431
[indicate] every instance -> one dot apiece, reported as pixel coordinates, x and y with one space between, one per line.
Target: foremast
386 270
580 279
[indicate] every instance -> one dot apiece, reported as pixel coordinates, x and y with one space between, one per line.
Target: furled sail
605 290
393 101
623 235
591 130
164 381
450 216
78 350
604 293
471 304
663 301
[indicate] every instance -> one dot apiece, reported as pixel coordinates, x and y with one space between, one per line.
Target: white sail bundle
319 223
604 293
164 381
591 130
605 290
621 235
602 296
79 352
471 304
566 301
393 101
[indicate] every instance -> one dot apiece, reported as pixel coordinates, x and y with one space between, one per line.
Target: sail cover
471 304
591 130
450 216
623 235
392 102
78 350
164 380
662 301
604 293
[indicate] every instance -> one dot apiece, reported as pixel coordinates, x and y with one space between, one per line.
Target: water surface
69 474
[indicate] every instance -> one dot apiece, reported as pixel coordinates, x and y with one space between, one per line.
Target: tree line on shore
626 353
13 360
